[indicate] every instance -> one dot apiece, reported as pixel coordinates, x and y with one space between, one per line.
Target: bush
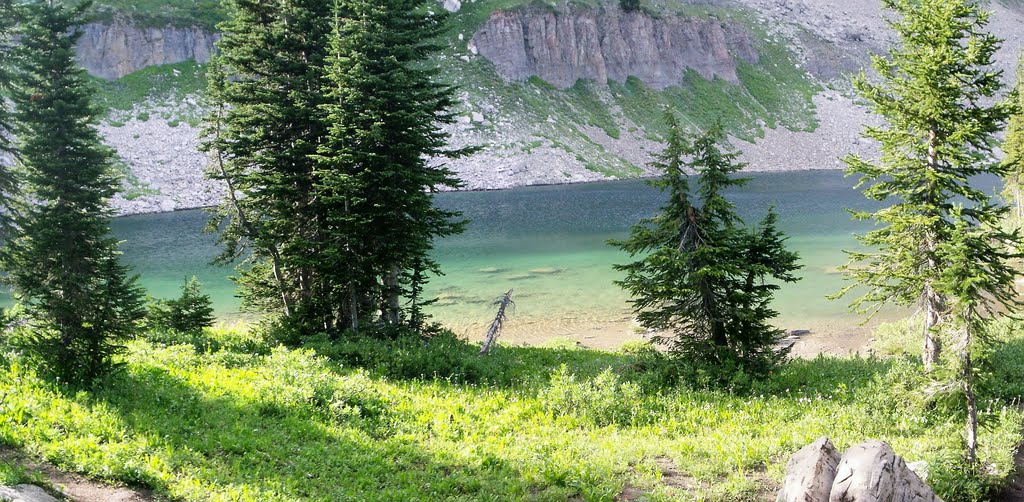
630 5
189 314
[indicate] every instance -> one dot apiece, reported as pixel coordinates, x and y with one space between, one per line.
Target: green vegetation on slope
182 13
229 416
773 93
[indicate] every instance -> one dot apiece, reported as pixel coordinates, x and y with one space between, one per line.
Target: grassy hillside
232 416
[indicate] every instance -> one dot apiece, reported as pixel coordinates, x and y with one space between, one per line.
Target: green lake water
549 244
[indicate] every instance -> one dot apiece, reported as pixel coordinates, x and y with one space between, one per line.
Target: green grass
231 416
157 85
180 13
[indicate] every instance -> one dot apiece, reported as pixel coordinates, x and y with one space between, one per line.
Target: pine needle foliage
62 262
386 109
8 183
934 94
323 117
190 313
705 279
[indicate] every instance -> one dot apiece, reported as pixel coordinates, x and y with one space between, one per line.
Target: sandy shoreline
835 337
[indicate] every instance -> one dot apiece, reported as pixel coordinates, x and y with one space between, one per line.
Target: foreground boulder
25 493
810 472
872 472
868 472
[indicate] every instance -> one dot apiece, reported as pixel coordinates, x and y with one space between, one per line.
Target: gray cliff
609 44
113 50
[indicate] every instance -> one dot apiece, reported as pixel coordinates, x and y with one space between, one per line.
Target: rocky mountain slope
557 91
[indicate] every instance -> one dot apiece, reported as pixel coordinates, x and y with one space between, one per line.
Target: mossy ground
232 416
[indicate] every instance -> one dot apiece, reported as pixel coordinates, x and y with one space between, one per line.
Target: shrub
190 313
630 5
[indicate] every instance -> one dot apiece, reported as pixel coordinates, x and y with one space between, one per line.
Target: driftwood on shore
499 321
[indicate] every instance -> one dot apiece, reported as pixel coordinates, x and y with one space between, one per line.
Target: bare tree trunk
933 302
491 339
968 381
275 256
933 306
353 308
393 292
1016 199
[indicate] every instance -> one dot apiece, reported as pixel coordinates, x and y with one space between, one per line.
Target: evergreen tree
1013 147
8 185
705 278
933 92
190 313
979 284
323 115
265 124
629 5
63 263
376 181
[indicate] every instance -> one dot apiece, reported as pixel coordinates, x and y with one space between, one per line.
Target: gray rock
872 472
451 5
113 50
562 47
810 472
25 493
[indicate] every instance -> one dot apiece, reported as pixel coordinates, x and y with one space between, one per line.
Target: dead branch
491 339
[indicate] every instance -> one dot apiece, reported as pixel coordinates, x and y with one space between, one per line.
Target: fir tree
705 278
933 93
323 115
264 126
8 185
386 107
979 284
190 313
1013 147
63 263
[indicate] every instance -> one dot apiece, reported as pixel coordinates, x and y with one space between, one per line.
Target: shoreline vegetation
230 414
347 389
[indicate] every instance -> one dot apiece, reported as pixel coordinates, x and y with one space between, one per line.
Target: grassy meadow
233 415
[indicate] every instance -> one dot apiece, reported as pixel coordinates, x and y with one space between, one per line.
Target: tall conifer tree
704 277
265 125
63 263
7 179
386 107
323 116
934 96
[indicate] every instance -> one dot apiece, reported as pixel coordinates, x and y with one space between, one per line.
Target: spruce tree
934 93
264 126
705 278
323 115
62 261
8 185
979 286
385 110
1013 147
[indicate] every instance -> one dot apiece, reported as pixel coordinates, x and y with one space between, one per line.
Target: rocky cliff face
563 47
114 50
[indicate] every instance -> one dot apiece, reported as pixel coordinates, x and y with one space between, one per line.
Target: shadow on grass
261 448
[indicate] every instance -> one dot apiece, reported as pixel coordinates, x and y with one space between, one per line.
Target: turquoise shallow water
549 244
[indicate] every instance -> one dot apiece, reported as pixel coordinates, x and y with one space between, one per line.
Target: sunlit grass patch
230 415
